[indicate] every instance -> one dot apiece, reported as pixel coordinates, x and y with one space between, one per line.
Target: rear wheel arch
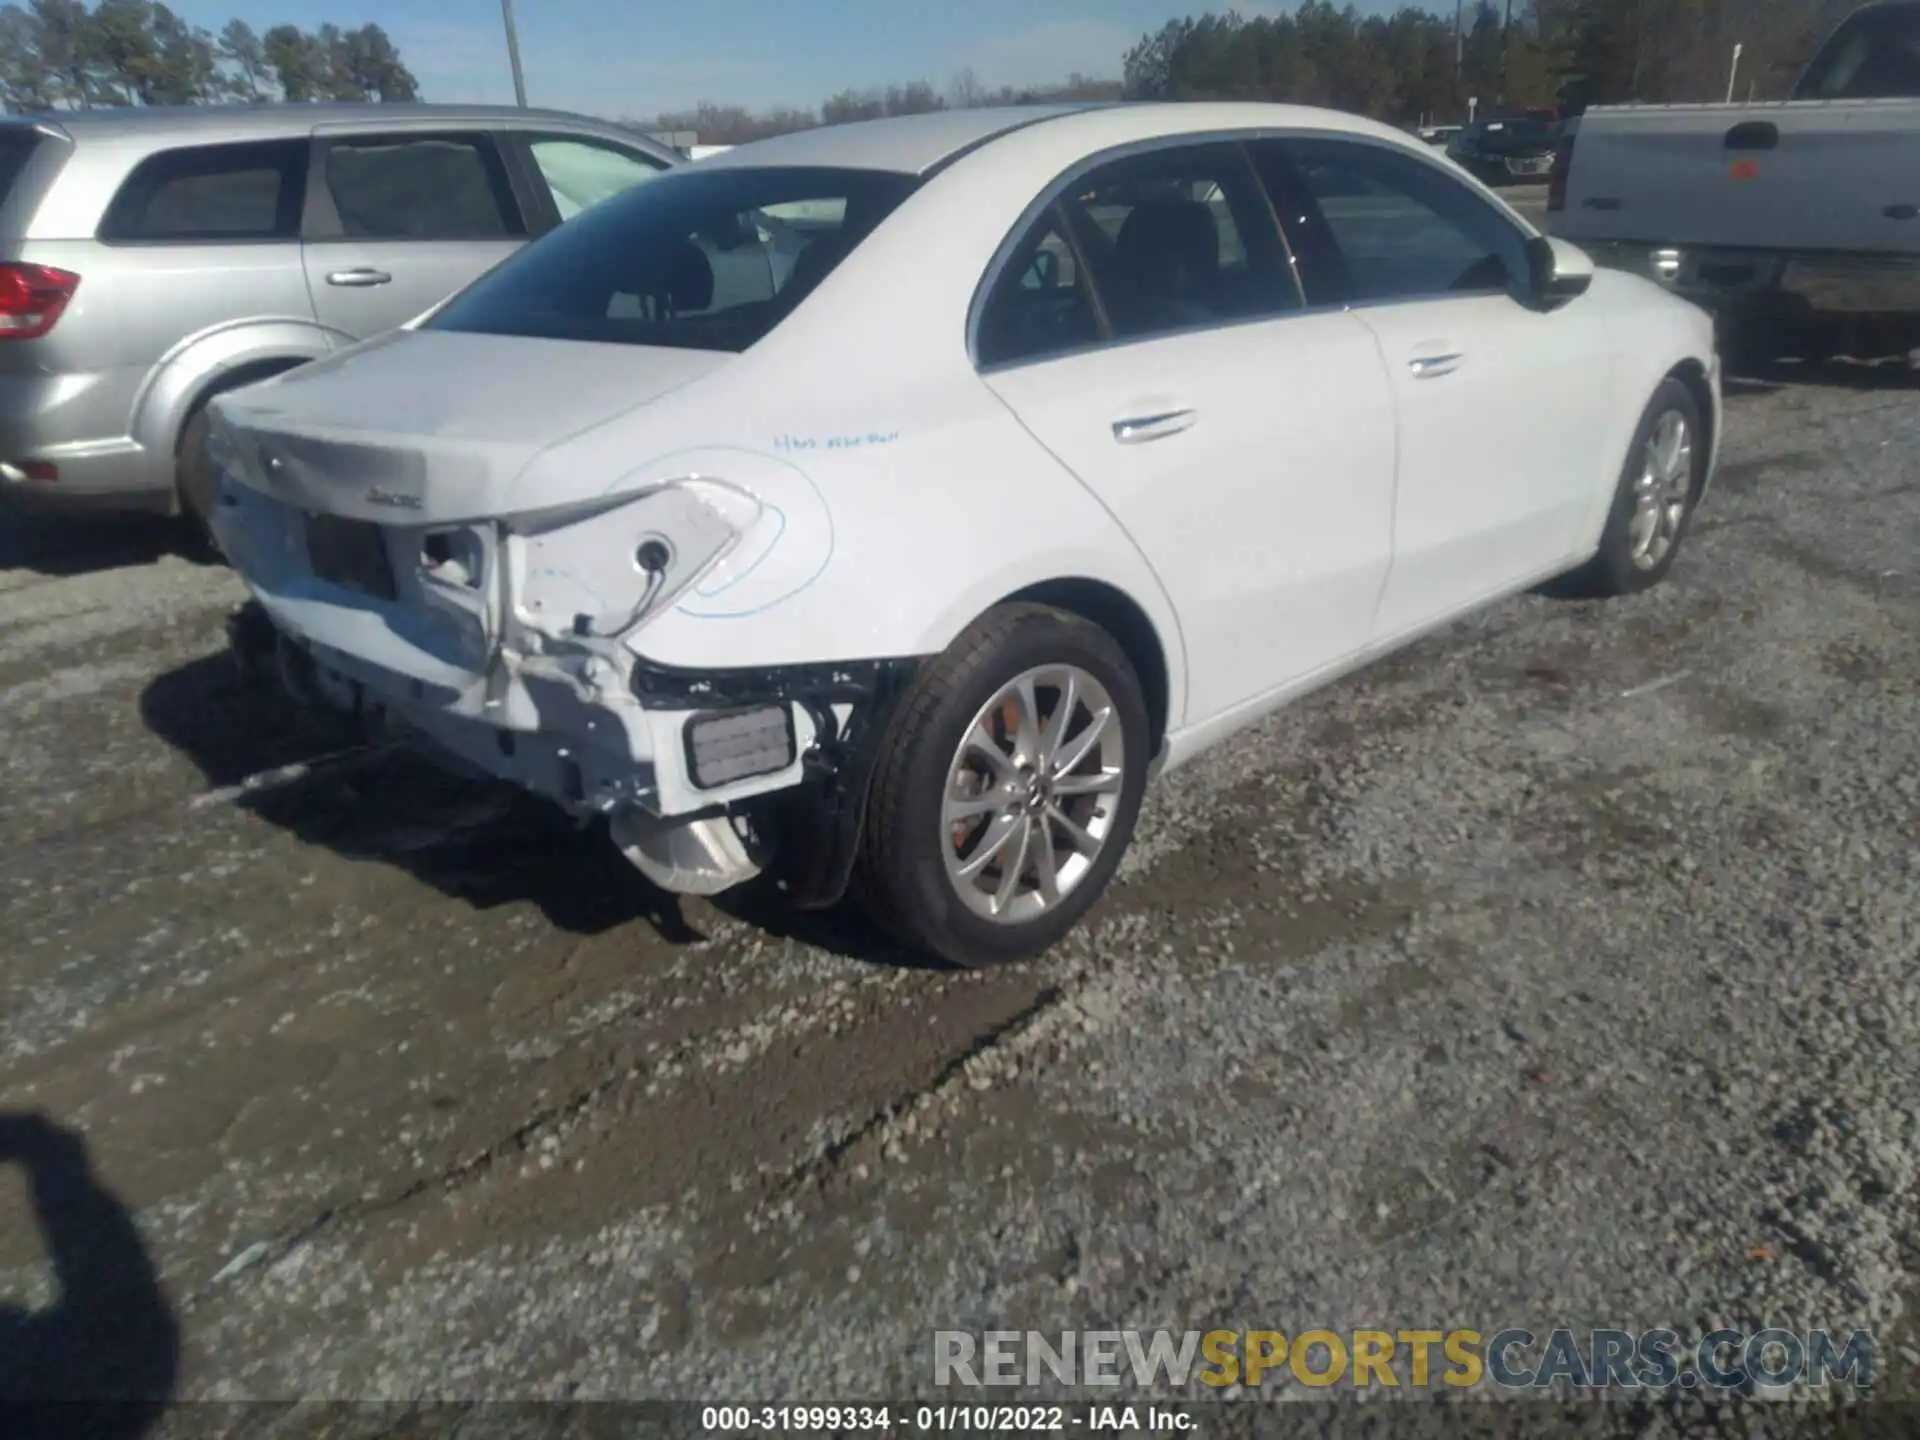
222 381
193 484
1117 613
203 366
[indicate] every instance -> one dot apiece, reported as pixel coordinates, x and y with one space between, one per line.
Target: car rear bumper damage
454 640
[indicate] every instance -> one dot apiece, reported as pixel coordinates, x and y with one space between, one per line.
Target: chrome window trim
1241 138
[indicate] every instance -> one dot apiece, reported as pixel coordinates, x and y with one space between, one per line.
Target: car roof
915 144
266 121
907 144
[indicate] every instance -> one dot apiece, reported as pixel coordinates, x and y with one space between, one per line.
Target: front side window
579 174
1170 240
212 193
699 259
420 187
1369 224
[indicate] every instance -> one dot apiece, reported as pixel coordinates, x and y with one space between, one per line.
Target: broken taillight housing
601 571
32 298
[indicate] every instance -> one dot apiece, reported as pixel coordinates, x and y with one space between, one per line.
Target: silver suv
150 259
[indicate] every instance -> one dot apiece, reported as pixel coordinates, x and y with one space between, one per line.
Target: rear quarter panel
899 516
151 324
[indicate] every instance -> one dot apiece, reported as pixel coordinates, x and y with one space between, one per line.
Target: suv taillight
1557 177
32 298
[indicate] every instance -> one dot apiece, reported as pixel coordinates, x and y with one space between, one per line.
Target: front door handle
1142 428
359 279
1426 367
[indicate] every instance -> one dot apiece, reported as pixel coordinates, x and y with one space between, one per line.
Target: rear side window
212 193
421 187
1175 239
696 260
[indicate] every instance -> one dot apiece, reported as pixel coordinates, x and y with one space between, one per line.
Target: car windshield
1873 56
696 260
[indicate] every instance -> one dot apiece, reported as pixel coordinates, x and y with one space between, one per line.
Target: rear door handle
1753 135
1142 428
1426 367
359 279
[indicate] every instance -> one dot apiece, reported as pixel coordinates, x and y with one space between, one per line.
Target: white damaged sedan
881 506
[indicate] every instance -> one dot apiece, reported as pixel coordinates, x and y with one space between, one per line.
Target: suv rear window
16 148
696 260
212 193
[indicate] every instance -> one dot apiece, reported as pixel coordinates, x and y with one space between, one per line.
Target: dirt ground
1564 969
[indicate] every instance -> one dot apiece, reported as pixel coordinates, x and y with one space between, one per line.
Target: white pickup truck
1796 222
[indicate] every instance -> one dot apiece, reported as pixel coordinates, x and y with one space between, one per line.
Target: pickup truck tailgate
1840 175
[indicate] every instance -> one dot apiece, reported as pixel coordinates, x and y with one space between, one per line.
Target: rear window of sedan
696 260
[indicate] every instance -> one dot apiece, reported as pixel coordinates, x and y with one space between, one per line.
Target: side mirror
1556 272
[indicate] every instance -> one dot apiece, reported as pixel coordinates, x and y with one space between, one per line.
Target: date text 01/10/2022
938 1419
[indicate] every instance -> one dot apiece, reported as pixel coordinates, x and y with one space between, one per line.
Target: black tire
901 877
1613 570
195 484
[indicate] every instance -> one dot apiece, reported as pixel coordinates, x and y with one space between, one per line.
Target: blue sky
618 58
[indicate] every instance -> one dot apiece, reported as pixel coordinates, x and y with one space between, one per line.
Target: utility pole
513 54
1506 57
1734 72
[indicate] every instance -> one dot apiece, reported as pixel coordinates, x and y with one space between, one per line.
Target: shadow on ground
1765 377
843 930
60 545
484 844
101 1360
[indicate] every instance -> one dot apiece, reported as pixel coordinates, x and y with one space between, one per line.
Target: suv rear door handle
1753 135
360 278
1426 367
1141 428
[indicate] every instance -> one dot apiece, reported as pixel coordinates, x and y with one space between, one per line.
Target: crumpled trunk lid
431 427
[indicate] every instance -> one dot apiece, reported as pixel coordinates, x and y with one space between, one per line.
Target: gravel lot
1561 971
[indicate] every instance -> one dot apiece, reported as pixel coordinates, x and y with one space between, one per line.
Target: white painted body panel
1269 519
1504 419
